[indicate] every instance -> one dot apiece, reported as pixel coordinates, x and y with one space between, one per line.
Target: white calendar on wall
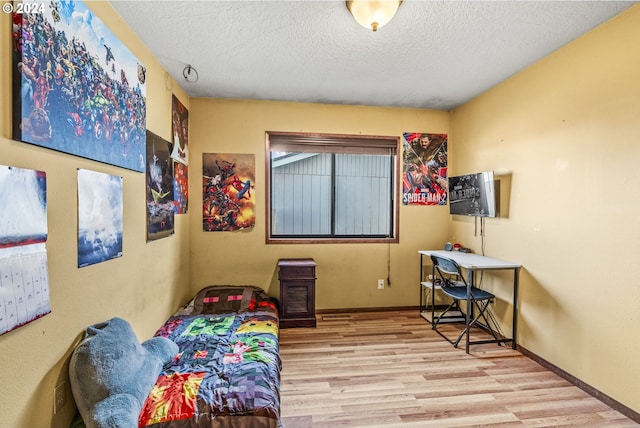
24 273
24 285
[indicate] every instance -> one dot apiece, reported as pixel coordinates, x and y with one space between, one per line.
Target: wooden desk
473 263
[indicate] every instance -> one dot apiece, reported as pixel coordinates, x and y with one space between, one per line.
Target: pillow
223 299
112 373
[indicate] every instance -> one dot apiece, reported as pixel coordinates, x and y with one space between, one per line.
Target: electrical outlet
59 397
381 284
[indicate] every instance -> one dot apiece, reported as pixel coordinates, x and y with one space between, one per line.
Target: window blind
330 143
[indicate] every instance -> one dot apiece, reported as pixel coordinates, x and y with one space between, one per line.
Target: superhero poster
180 188
424 169
76 88
228 199
180 155
160 213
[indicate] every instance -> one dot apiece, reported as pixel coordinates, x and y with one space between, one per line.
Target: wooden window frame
334 143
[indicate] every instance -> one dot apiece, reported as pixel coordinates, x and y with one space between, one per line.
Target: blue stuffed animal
111 373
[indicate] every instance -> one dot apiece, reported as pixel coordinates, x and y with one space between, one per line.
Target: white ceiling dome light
373 14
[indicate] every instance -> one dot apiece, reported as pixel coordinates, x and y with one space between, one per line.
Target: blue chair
455 286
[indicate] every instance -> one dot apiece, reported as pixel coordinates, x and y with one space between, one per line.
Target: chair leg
481 308
483 313
437 320
457 341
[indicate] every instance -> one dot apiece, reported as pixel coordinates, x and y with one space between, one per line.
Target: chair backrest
448 271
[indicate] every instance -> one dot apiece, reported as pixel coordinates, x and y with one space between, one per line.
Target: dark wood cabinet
297 292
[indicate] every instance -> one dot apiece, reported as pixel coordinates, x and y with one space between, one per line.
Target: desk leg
433 296
420 284
470 278
516 275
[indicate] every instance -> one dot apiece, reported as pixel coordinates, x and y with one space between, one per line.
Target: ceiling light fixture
373 14
190 74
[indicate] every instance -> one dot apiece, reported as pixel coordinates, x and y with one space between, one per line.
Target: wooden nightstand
297 292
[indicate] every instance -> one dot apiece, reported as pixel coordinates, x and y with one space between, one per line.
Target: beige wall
565 130
144 286
568 130
347 273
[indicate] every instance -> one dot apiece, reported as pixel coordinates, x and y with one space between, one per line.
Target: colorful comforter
227 373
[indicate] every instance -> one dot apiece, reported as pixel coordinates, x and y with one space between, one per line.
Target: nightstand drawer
297 272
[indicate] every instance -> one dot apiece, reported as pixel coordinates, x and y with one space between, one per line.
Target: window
330 188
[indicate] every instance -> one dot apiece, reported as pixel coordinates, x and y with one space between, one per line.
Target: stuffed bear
111 373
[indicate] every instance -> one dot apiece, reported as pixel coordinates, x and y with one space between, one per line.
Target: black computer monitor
472 195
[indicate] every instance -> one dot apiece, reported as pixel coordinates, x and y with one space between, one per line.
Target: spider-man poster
228 199
424 178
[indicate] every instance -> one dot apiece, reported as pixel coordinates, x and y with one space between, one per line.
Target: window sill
273 240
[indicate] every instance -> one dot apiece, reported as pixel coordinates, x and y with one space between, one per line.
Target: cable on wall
482 240
388 263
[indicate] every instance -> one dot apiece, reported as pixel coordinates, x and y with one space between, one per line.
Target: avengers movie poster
180 155
424 169
160 213
228 200
76 88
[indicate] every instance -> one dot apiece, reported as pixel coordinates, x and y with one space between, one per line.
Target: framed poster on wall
76 88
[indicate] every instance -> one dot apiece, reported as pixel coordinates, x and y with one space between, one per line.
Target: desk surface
472 261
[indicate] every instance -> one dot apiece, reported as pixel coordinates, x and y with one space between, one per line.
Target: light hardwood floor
390 369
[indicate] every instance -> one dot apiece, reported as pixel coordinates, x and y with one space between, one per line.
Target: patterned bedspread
227 373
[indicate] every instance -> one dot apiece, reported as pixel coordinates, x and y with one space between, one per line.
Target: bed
227 371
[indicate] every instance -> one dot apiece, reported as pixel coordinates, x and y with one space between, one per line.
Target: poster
180 128
228 197
24 277
77 88
424 169
180 188
159 195
99 217
180 155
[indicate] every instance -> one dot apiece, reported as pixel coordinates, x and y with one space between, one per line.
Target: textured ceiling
433 54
